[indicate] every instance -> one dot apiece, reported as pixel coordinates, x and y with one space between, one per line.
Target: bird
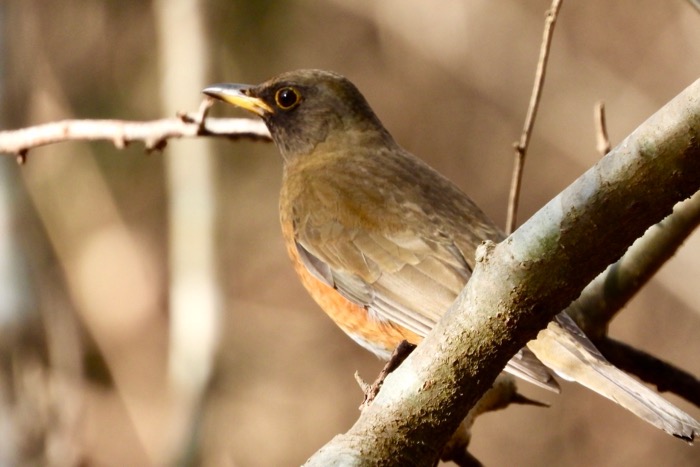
384 243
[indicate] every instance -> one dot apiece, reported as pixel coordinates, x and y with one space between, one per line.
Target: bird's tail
565 349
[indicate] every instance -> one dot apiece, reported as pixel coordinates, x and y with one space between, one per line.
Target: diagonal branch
610 291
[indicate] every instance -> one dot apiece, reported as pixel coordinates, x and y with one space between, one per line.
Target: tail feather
526 366
565 349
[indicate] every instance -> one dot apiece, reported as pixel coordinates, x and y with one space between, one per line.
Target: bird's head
304 108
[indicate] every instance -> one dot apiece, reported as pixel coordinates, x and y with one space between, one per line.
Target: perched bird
384 243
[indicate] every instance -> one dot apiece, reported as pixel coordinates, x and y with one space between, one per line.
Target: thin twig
601 129
201 115
522 145
664 375
695 4
154 134
399 354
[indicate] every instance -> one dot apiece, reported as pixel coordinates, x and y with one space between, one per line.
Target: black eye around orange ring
286 98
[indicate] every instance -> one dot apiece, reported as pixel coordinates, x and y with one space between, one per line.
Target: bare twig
695 4
522 145
154 134
201 114
601 129
399 354
665 376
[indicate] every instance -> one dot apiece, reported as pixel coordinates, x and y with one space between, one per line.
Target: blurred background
148 312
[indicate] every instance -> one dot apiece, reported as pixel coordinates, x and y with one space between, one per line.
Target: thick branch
520 284
610 291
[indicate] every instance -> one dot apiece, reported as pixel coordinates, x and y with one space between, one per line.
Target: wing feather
405 269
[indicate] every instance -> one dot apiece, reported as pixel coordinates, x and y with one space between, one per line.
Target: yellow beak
236 94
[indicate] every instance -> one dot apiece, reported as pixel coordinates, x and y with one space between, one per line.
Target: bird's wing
399 242
401 278
408 280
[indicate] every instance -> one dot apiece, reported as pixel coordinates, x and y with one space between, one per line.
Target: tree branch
521 284
665 376
609 292
154 134
522 145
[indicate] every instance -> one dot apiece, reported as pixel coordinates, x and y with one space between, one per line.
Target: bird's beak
237 95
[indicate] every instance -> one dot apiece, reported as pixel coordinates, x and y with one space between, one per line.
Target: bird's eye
286 98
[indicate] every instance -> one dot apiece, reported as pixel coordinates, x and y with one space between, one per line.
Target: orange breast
376 335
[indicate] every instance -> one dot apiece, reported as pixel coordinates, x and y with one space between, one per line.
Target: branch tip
120 141
22 156
157 145
363 386
602 139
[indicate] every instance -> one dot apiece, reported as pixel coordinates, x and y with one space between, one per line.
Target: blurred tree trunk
194 296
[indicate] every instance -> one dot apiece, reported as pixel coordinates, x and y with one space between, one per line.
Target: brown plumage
384 243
